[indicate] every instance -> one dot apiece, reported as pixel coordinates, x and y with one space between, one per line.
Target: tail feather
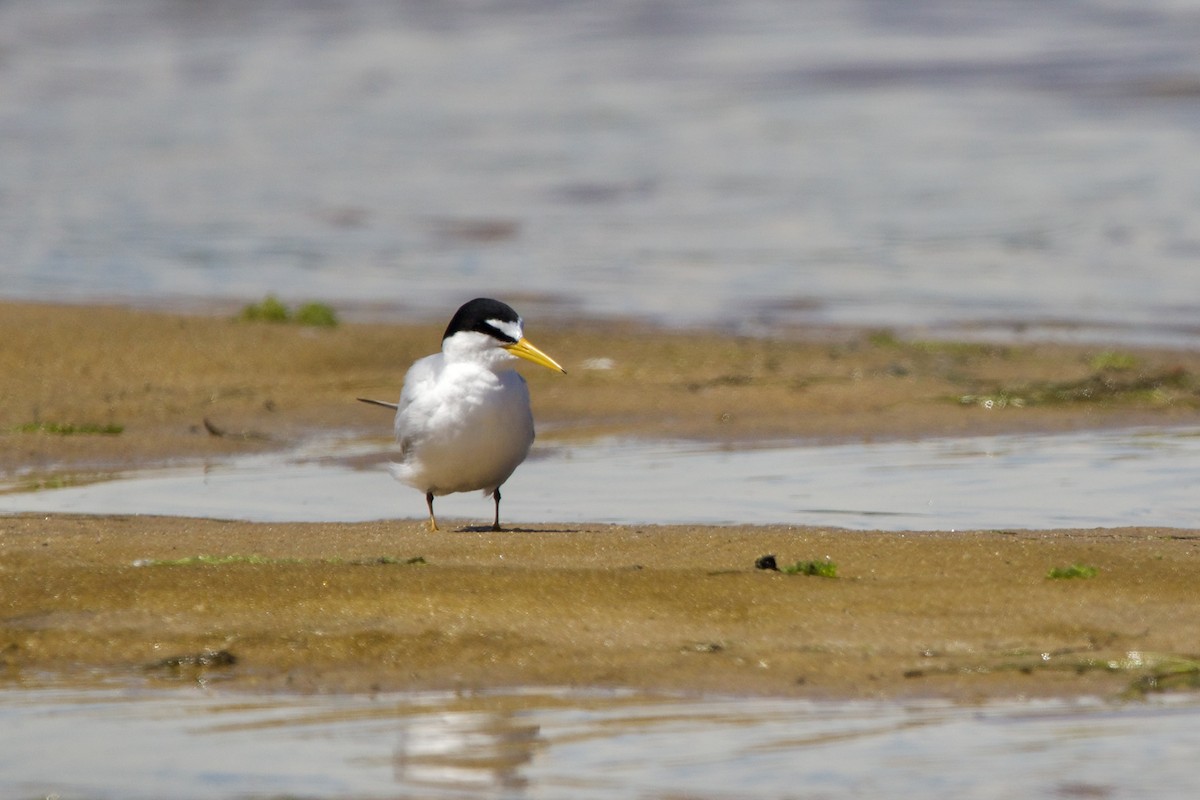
384 403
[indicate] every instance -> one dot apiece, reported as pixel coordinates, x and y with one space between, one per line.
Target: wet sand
193 386
329 607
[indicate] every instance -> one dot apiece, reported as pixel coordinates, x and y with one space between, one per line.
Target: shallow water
131 742
1093 479
983 169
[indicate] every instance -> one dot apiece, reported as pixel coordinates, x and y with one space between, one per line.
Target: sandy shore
341 608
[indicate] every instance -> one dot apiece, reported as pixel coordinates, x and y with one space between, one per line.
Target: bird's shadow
490 529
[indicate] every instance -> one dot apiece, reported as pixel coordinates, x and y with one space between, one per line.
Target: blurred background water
969 168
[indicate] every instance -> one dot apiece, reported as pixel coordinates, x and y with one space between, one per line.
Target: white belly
468 430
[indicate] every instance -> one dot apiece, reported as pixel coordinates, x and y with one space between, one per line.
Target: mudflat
389 605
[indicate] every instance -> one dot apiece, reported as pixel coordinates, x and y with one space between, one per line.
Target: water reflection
135 742
466 749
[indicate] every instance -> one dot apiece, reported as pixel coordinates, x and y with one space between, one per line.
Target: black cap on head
475 316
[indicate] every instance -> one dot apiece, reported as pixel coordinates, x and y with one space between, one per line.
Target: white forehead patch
513 330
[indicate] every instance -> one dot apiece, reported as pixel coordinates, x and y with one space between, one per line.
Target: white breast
461 427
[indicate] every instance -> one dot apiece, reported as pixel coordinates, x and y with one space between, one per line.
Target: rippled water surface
964 167
111 742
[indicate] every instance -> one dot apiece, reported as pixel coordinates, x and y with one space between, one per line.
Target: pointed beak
523 349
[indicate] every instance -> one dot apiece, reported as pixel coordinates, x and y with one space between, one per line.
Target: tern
463 421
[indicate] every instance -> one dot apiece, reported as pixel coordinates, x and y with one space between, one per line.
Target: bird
464 422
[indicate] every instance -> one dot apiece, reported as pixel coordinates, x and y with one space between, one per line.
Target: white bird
463 421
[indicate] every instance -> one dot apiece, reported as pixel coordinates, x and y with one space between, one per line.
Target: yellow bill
523 349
